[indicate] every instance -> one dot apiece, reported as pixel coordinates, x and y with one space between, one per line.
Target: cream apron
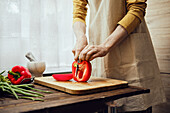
132 60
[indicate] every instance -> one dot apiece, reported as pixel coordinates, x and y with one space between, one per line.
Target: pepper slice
18 74
62 77
84 71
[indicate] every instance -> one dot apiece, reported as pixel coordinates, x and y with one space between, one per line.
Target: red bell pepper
62 77
18 74
84 71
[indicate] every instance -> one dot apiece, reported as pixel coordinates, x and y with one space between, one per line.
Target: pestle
30 57
35 67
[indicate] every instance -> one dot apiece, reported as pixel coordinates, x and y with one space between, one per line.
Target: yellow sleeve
79 10
135 14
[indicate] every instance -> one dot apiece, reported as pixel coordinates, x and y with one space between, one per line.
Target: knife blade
77 68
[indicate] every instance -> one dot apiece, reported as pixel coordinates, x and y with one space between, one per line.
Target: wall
158 21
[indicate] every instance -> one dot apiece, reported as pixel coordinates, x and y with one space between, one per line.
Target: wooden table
60 102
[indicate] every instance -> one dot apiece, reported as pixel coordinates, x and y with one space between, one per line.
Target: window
43 27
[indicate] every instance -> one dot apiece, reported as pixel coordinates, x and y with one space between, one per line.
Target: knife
77 68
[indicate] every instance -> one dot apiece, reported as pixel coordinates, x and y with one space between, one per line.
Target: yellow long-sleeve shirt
135 13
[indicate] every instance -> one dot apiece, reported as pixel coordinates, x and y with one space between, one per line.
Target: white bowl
36 68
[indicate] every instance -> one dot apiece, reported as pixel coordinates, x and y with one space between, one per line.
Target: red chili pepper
84 71
19 73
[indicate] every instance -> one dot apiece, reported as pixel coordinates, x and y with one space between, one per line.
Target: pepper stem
16 75
75 64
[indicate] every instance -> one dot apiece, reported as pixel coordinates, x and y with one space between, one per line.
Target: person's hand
81 43
93 51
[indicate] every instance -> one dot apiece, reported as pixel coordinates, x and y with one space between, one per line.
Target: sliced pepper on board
18 74
63 77
84 71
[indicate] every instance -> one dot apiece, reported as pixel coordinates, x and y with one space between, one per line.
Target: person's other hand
81 43
93 51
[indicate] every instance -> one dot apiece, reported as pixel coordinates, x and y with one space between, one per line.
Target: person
119 47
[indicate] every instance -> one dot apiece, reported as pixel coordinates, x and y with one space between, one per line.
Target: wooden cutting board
93 85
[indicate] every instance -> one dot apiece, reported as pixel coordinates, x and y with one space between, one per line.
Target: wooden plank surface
61 102
95 84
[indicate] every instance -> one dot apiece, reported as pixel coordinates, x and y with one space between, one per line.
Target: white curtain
43 27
